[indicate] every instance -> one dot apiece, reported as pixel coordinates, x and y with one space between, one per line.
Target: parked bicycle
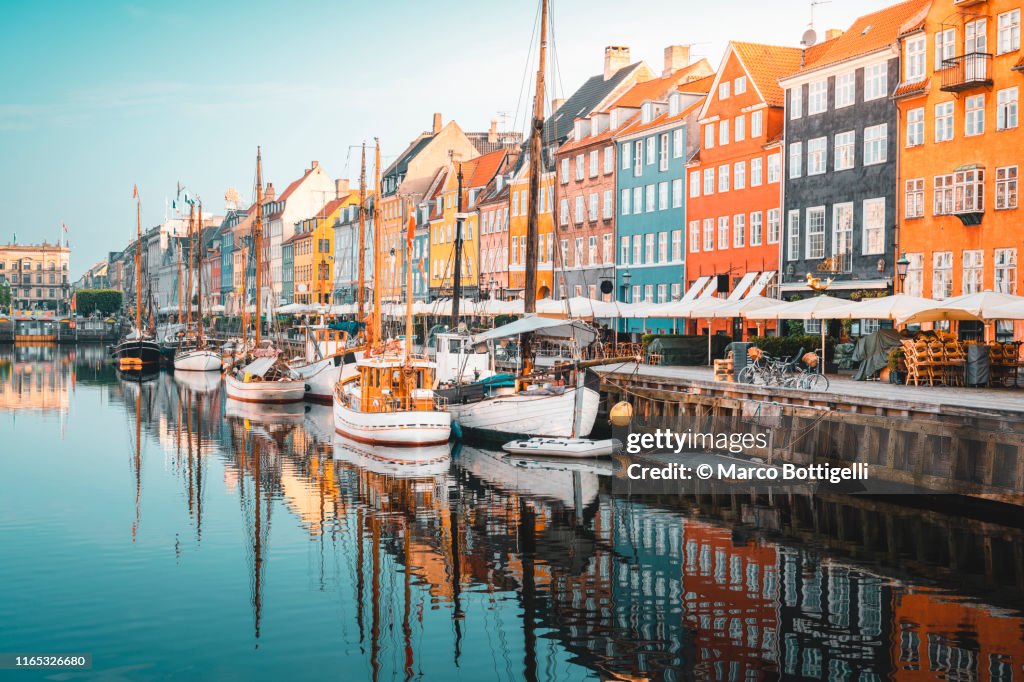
798 371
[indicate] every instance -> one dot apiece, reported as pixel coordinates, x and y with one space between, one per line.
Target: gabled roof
766 64
401 164
582 102
869 33
662 119
656 88
698 86
334 204
486 166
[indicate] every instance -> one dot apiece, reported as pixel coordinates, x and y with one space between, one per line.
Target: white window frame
870 232
815 233
876 144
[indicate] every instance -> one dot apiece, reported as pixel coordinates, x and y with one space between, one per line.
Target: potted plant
895 367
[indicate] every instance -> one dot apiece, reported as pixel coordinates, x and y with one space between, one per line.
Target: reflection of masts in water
375 597
457 614
138 461
260 529
527 549
360 578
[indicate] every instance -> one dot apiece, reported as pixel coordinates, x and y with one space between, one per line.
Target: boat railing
409 404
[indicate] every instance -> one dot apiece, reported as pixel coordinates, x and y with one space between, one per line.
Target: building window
677 245
793 230
694 236
638 161
817 97
756 172
579 210
578 252
723 232
662 196
873 238
875 144
624 150
579 167
1006 271
650 151
594 163
1006 109
973 264
592 249
974 117
677 143
624 200
709 181
606 210
774 167
914 60
649 198
638 200
969 191
756 119
914 284
1006 187
816 154
709 136
942 274
945 46
876 79
649 292
944 122
740 132
755 228
739 172
942 195
975 42
723 178
816 232
914 202
677 291
739 230
677 193
723 90
624 250
663 247
842 236
795 158
739 85
845 150
609 159
592 207
1009 31
915 127
796 102
694 184
649 248
663 152
709 234
723 132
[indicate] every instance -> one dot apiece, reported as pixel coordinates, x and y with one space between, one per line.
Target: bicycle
766 370
807 376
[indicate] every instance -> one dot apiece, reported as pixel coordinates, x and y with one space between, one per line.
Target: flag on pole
135 191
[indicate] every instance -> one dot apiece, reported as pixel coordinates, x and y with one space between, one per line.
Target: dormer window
647 112
674 104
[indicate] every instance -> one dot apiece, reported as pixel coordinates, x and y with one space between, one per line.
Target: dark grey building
841 135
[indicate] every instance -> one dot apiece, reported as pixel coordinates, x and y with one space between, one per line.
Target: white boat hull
201 360
529 415
563 447
264 391
322 376
412 428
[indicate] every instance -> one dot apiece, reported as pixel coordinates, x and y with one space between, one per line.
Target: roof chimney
492 132
615 57
340 188
314 164
676 57
833 33
437 123
556 104
268 193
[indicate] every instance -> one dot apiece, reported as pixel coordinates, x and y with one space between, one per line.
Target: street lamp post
626 276
902 265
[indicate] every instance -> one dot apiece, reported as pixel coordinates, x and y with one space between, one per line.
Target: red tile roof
636 126
766 64
908 89
486 166
699 85
335 204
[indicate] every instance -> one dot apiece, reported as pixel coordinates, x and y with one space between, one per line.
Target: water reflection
476 564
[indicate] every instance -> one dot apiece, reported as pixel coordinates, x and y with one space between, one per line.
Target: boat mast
199 276
376 323
457 266
361 293
257 240
411 234
181 289
536 131
191 259
138 264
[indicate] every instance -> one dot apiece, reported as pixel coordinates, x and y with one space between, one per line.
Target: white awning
711 289
761 284
840 285
541 326
695 288
742 286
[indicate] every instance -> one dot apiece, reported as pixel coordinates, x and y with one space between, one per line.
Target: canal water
173 534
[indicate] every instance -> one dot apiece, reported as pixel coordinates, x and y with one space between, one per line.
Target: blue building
288 272
347 254
651 189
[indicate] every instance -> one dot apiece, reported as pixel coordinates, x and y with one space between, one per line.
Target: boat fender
307 388
456 430
246 378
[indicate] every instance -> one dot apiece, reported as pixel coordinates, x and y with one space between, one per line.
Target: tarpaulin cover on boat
542 326
258 367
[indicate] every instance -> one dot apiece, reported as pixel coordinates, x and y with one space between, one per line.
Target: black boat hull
145 350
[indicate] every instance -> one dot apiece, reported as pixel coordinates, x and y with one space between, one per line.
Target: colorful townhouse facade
228 247
734 208
314 251
650 229
839 190
493 208
960 139
347 253
518 197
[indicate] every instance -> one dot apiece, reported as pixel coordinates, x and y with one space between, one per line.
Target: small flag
135 191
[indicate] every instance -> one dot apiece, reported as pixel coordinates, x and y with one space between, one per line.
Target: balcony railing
967 71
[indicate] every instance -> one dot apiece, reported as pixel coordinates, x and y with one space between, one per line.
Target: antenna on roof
810 36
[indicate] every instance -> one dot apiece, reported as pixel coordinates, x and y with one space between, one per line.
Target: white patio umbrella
979 306
895 307
815 308
1011 311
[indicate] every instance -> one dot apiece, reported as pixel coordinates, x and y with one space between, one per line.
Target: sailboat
196 356
561 403
390 401
266 379
137 348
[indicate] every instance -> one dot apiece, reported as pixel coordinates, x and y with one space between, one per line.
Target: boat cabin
459 360
322 342
390 385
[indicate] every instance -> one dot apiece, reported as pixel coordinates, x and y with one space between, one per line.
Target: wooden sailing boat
196 356
391 400
138 347
533 403
266 379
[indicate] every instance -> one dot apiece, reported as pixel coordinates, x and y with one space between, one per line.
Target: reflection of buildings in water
36 378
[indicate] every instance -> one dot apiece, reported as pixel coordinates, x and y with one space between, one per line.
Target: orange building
960 149
519 204
734 216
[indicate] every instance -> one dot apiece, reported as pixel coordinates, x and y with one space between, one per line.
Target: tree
5 295
106 301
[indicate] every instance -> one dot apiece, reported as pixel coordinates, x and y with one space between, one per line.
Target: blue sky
97 96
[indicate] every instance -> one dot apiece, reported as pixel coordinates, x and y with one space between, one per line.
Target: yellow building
313 249
37 275
519 200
